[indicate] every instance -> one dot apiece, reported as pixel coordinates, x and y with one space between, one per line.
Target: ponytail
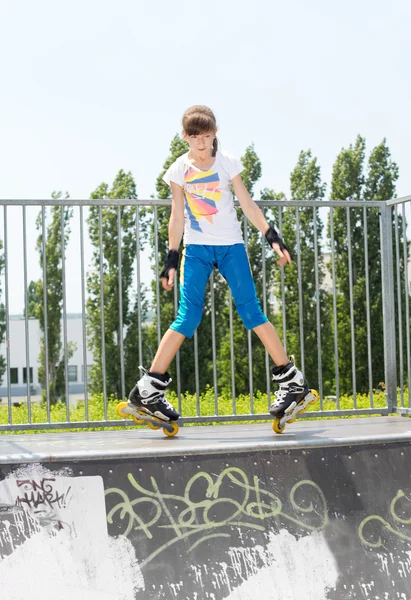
215 147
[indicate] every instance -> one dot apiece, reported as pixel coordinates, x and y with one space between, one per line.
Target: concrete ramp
221 513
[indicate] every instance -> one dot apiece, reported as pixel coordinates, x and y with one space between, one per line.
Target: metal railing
398 209
353 219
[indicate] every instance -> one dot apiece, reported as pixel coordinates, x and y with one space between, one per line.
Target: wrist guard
272 237
171 263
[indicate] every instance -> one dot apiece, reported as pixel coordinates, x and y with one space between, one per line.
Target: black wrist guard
272 237
171 263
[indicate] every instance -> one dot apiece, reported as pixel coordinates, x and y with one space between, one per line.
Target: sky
93 86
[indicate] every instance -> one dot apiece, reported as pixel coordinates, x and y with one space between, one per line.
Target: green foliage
33 300
114 331
51 373
252 169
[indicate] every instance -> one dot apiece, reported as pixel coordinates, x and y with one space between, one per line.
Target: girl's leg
168 348
195 269
234 266
272 343
293 388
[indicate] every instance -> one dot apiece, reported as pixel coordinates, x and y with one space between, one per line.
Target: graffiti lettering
40 493
377 543
203 507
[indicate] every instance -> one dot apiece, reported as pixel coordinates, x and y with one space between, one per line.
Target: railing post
388 306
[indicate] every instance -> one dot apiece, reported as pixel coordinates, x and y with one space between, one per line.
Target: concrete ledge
219 439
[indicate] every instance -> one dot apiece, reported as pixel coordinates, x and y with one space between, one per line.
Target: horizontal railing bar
156 202
267 417
394 201
401 410
205 419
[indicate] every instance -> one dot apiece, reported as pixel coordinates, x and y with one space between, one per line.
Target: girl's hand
283 254
168 282
278 245
168 274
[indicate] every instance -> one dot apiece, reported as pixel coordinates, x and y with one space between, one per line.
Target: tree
33 300
131 341
382 174
114 330
349 183
51 366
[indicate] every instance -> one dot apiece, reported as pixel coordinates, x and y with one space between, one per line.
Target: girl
203 208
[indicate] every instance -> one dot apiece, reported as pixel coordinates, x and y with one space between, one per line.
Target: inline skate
147 403
292 397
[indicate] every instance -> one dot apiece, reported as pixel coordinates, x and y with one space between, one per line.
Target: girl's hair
200 119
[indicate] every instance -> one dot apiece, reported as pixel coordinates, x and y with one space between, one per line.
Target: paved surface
68 446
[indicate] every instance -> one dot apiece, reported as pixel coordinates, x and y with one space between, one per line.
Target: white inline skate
292 397
147 403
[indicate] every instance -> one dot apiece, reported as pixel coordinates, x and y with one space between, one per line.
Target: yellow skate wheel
292 420
138 421
277 427
171 433
315 393
152 426
302 411
119 410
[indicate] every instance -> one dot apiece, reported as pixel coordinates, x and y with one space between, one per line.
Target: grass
188 403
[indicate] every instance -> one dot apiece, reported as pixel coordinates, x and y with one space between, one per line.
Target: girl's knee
188 322
251 314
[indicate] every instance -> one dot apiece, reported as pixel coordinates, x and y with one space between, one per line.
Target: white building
18 363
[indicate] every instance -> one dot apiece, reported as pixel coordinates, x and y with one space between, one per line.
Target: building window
88 373
14 375
72 373
25 374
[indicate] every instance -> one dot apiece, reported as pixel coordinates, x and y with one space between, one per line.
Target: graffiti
40 493
400 522
53 529
205 507
41 499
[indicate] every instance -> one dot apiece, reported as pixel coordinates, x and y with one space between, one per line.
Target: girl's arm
253 213
176 223
175 233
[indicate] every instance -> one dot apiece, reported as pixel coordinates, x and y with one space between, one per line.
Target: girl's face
201 144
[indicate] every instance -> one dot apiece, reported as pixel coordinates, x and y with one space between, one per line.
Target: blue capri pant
196 266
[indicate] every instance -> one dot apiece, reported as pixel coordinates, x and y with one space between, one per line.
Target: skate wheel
315 393
302 410
277 427
171 433
138 421
293 419
152 426
119 410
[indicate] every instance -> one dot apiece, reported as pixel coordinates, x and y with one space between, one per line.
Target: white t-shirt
210 216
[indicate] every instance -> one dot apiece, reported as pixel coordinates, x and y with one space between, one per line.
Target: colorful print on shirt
202 192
